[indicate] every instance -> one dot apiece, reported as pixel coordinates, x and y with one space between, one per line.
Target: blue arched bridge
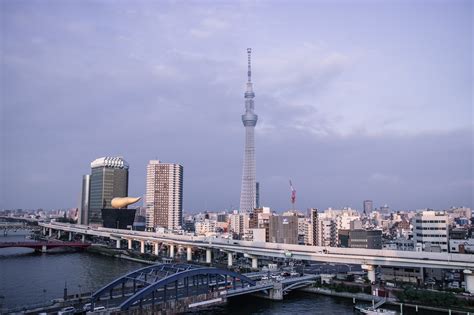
193 285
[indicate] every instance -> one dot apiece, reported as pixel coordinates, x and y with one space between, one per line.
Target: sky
356 99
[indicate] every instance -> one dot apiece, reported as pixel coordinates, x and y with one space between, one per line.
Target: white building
239 223
258 235
164 195
205 227
430 230
343 220
303 230
326 230
462 246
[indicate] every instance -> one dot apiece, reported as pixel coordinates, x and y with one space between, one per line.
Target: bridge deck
300 252
48 245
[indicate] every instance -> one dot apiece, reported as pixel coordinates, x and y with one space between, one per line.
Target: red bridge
43 246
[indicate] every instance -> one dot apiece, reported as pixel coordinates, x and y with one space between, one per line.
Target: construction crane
293 196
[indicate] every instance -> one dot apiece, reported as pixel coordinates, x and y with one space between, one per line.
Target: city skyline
364 109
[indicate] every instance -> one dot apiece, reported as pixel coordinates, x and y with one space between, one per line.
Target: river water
28 278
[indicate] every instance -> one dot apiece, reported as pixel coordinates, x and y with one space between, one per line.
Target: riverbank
117 253
403 307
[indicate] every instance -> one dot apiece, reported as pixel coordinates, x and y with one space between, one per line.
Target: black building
118 218
371 239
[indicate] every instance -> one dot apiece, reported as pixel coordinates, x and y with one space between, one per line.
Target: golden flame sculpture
122 202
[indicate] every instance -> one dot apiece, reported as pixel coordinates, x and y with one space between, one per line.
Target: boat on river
374 311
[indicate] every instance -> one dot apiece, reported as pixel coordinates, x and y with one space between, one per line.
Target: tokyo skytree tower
249 119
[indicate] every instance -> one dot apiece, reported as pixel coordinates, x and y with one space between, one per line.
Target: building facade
368 207
369 239
327 231
430 230
283 229
108 179
314 227
164 195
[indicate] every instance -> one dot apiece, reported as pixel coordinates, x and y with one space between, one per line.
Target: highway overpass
368 258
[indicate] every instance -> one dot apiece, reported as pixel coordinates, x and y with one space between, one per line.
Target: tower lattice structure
249 119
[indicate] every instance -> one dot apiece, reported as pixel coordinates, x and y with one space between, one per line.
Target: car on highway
67 310
87 307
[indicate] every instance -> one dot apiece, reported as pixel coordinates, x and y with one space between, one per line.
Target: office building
430 230
369 239
343 238
368 207
164 195
283 229
118 218
108 179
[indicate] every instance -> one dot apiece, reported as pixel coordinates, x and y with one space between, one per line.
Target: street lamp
44 295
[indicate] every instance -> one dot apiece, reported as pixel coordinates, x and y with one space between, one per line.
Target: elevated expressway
368 258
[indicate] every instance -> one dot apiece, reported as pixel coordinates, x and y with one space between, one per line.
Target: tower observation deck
249 119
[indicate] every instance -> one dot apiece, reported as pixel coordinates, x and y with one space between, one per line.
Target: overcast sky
356 99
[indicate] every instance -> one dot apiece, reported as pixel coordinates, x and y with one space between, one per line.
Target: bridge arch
159 283
297 285
184 276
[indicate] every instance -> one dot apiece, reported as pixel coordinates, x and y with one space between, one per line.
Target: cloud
208 27
338 115
389 179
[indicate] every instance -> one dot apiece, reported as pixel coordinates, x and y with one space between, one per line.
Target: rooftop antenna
249 71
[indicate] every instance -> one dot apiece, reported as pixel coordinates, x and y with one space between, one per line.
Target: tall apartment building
303 231
239 223
164 195
430 230
324 228
108 179
263 215
327 229
236 223
314 226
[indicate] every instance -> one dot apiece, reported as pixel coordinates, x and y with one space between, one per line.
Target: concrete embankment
117 253
405 308
356 296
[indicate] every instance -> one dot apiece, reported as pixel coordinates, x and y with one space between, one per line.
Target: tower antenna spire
249 71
